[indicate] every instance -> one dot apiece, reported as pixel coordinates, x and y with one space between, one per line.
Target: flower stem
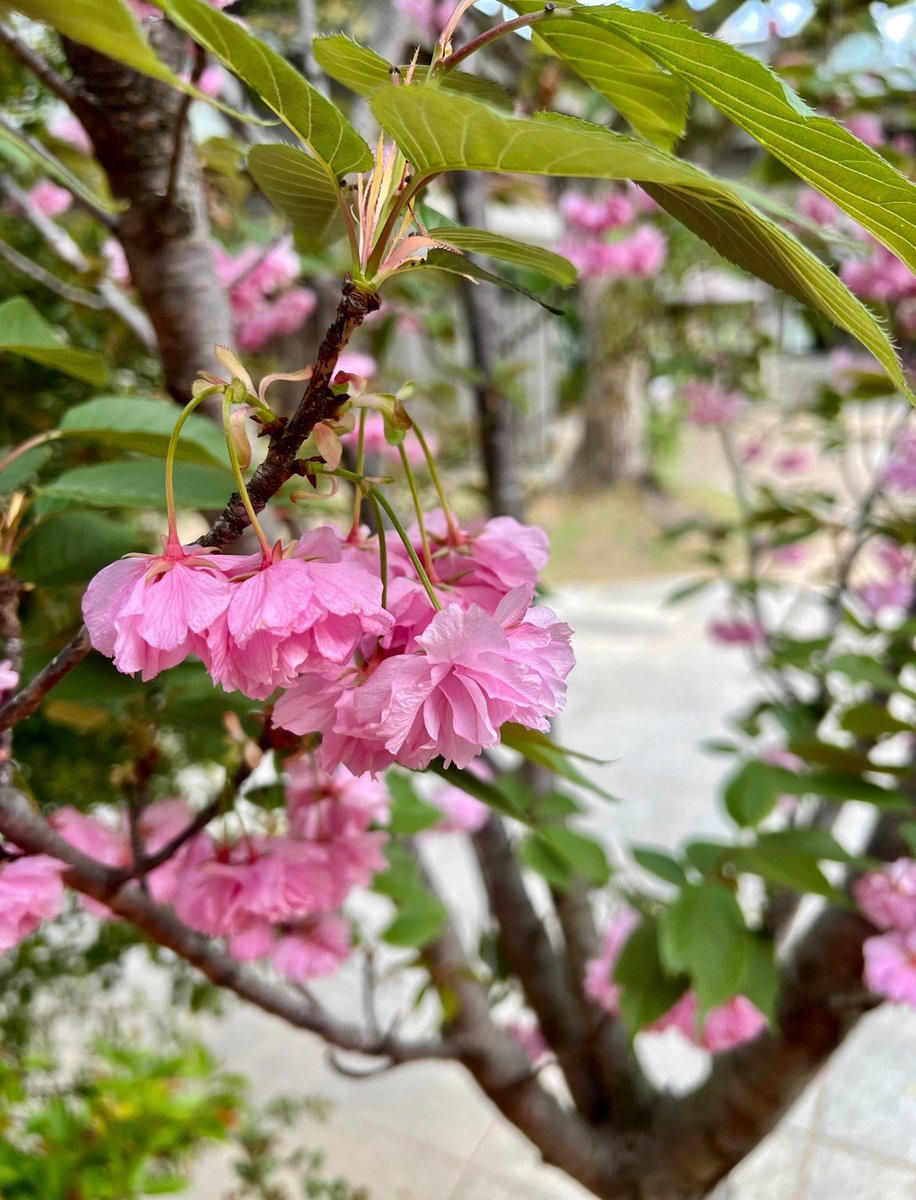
240 478
360 456
379 496
170 457
418 509
450 521
497 31
382 547
29 444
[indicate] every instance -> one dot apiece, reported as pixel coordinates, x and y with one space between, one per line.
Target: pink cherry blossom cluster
736 631
880 276
265 303
900 471
31 891
49 199
708 404
637 254
888 899
404 683
428 16
890 590
727 1025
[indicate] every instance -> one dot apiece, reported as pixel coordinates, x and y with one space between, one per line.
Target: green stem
240 478
382 548
418 509
450 521
29 444
360 455
170 457
399 529
401 202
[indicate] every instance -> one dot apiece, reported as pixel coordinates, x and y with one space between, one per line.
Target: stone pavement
646 692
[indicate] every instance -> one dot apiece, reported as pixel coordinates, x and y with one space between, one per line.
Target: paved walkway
646 692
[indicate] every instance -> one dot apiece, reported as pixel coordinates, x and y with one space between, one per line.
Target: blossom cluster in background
888 899
634 250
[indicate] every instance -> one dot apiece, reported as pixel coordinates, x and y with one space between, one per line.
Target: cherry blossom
708 404
31 891
888 897
599 972
9 676
49 199
736 631
890 965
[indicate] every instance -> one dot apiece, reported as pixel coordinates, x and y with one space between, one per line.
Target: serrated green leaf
520 254
458 264
70 547
443 133
141 484
301 188
301 107
818 149
653 101
364 72
660 863
703 934
752 791
23 330
647 989
144 424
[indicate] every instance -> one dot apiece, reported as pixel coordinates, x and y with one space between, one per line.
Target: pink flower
148 612
31 891
487 560
791 554
323 805
375 442
867 127
317 948
49 199
708 404
890 966
461 813
213 80
255 942
736 631
726 1026
637 256
900 471
818 208
116 260
881 276
888 897
596 216
210 896
894 588
294 615
452 699
792 461
287 313
92 837
599 972
353 362
66 128
9 676
530 1038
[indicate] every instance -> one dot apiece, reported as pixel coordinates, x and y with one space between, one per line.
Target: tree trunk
137 127
496 415
613 445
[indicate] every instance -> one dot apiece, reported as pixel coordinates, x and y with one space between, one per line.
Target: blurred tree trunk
497 417
138 130
614 444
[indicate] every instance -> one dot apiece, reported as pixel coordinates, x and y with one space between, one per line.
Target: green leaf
145 425
660 863
444 133
835 785
538 855
23 330
760 979
651 100
70 547
301 107
908 833
871 721
363 71
506 249
141 484
301 188
752 792
14 148
22 469
410 814
781 865
818 149
704 935
813 840
861 669
647 989
706 857
538 748
458 264
107 26
583 855
416 924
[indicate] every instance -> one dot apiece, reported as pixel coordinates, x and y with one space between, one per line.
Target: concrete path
648 689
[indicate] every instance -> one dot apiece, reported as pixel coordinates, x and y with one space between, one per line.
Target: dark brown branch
181 125
40 67
318 404
28 699
531 957
21 825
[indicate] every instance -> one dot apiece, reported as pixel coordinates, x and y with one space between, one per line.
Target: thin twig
28 699
67 291
40 67
181 125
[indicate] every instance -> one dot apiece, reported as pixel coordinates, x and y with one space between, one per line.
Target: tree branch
20 824
40 67
66 291
28 698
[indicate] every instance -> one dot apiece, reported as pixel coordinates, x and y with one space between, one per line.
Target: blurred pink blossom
736 631
867 127
888 897
49 199
66 128
890 966
708 404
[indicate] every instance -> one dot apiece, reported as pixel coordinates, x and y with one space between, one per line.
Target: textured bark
496 416
613 445
134 124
